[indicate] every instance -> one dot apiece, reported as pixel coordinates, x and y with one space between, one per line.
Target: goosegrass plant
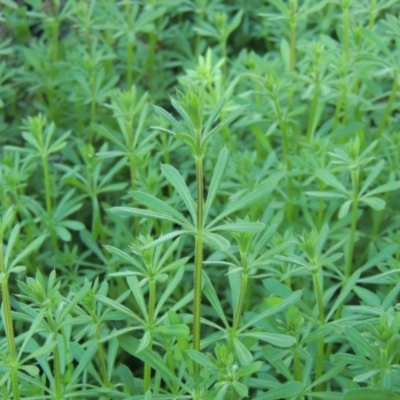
199 199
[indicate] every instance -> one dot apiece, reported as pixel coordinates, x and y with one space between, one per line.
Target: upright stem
129 47
56 358
242 296
313 107
292 24
353 228
152 306
8 323
198 260
320 354
388 108
49 207
346 28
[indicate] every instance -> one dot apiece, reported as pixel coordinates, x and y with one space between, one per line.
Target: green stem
198 260
8 323
292 24
92 119
49 206
56 358
346 28
388 108
102 358
353 229
152 306
320 354
242 296
129 47
313 108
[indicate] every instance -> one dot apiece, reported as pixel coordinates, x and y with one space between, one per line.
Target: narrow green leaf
292 299
216 241
139 212
137 292
276 339
387 187
359 343
243 354
176 180
331 180
284 391
169 118
151 357
376 40
370 394
254 196
211 294
213 116
10 245
372 176
240 226
218 173
374 202
347 288
124 256
27 250
248 370
160 206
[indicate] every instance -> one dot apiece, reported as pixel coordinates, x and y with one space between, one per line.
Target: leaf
249 198
248 370
276 339
131 344
169 118
216 241
284 391
218 173
137 292
387 187
344 209
372 176
174 330
376 40
252 227
374 202
359 343
176 180
139 212
212 297
243 354
347 288
29 249
293 298
124 256
213 116
370 394
331 180
200 359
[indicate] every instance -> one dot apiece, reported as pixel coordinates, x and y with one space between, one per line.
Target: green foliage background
164 158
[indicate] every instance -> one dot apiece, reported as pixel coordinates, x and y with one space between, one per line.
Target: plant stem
102 358
242 296
388 108
8 323
152 306
198 260
129 47
346 28
56 357
292 25
353 228
313 107
320 354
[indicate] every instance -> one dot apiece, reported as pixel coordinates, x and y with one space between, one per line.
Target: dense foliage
199 199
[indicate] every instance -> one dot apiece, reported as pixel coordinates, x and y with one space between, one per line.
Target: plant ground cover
200 199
